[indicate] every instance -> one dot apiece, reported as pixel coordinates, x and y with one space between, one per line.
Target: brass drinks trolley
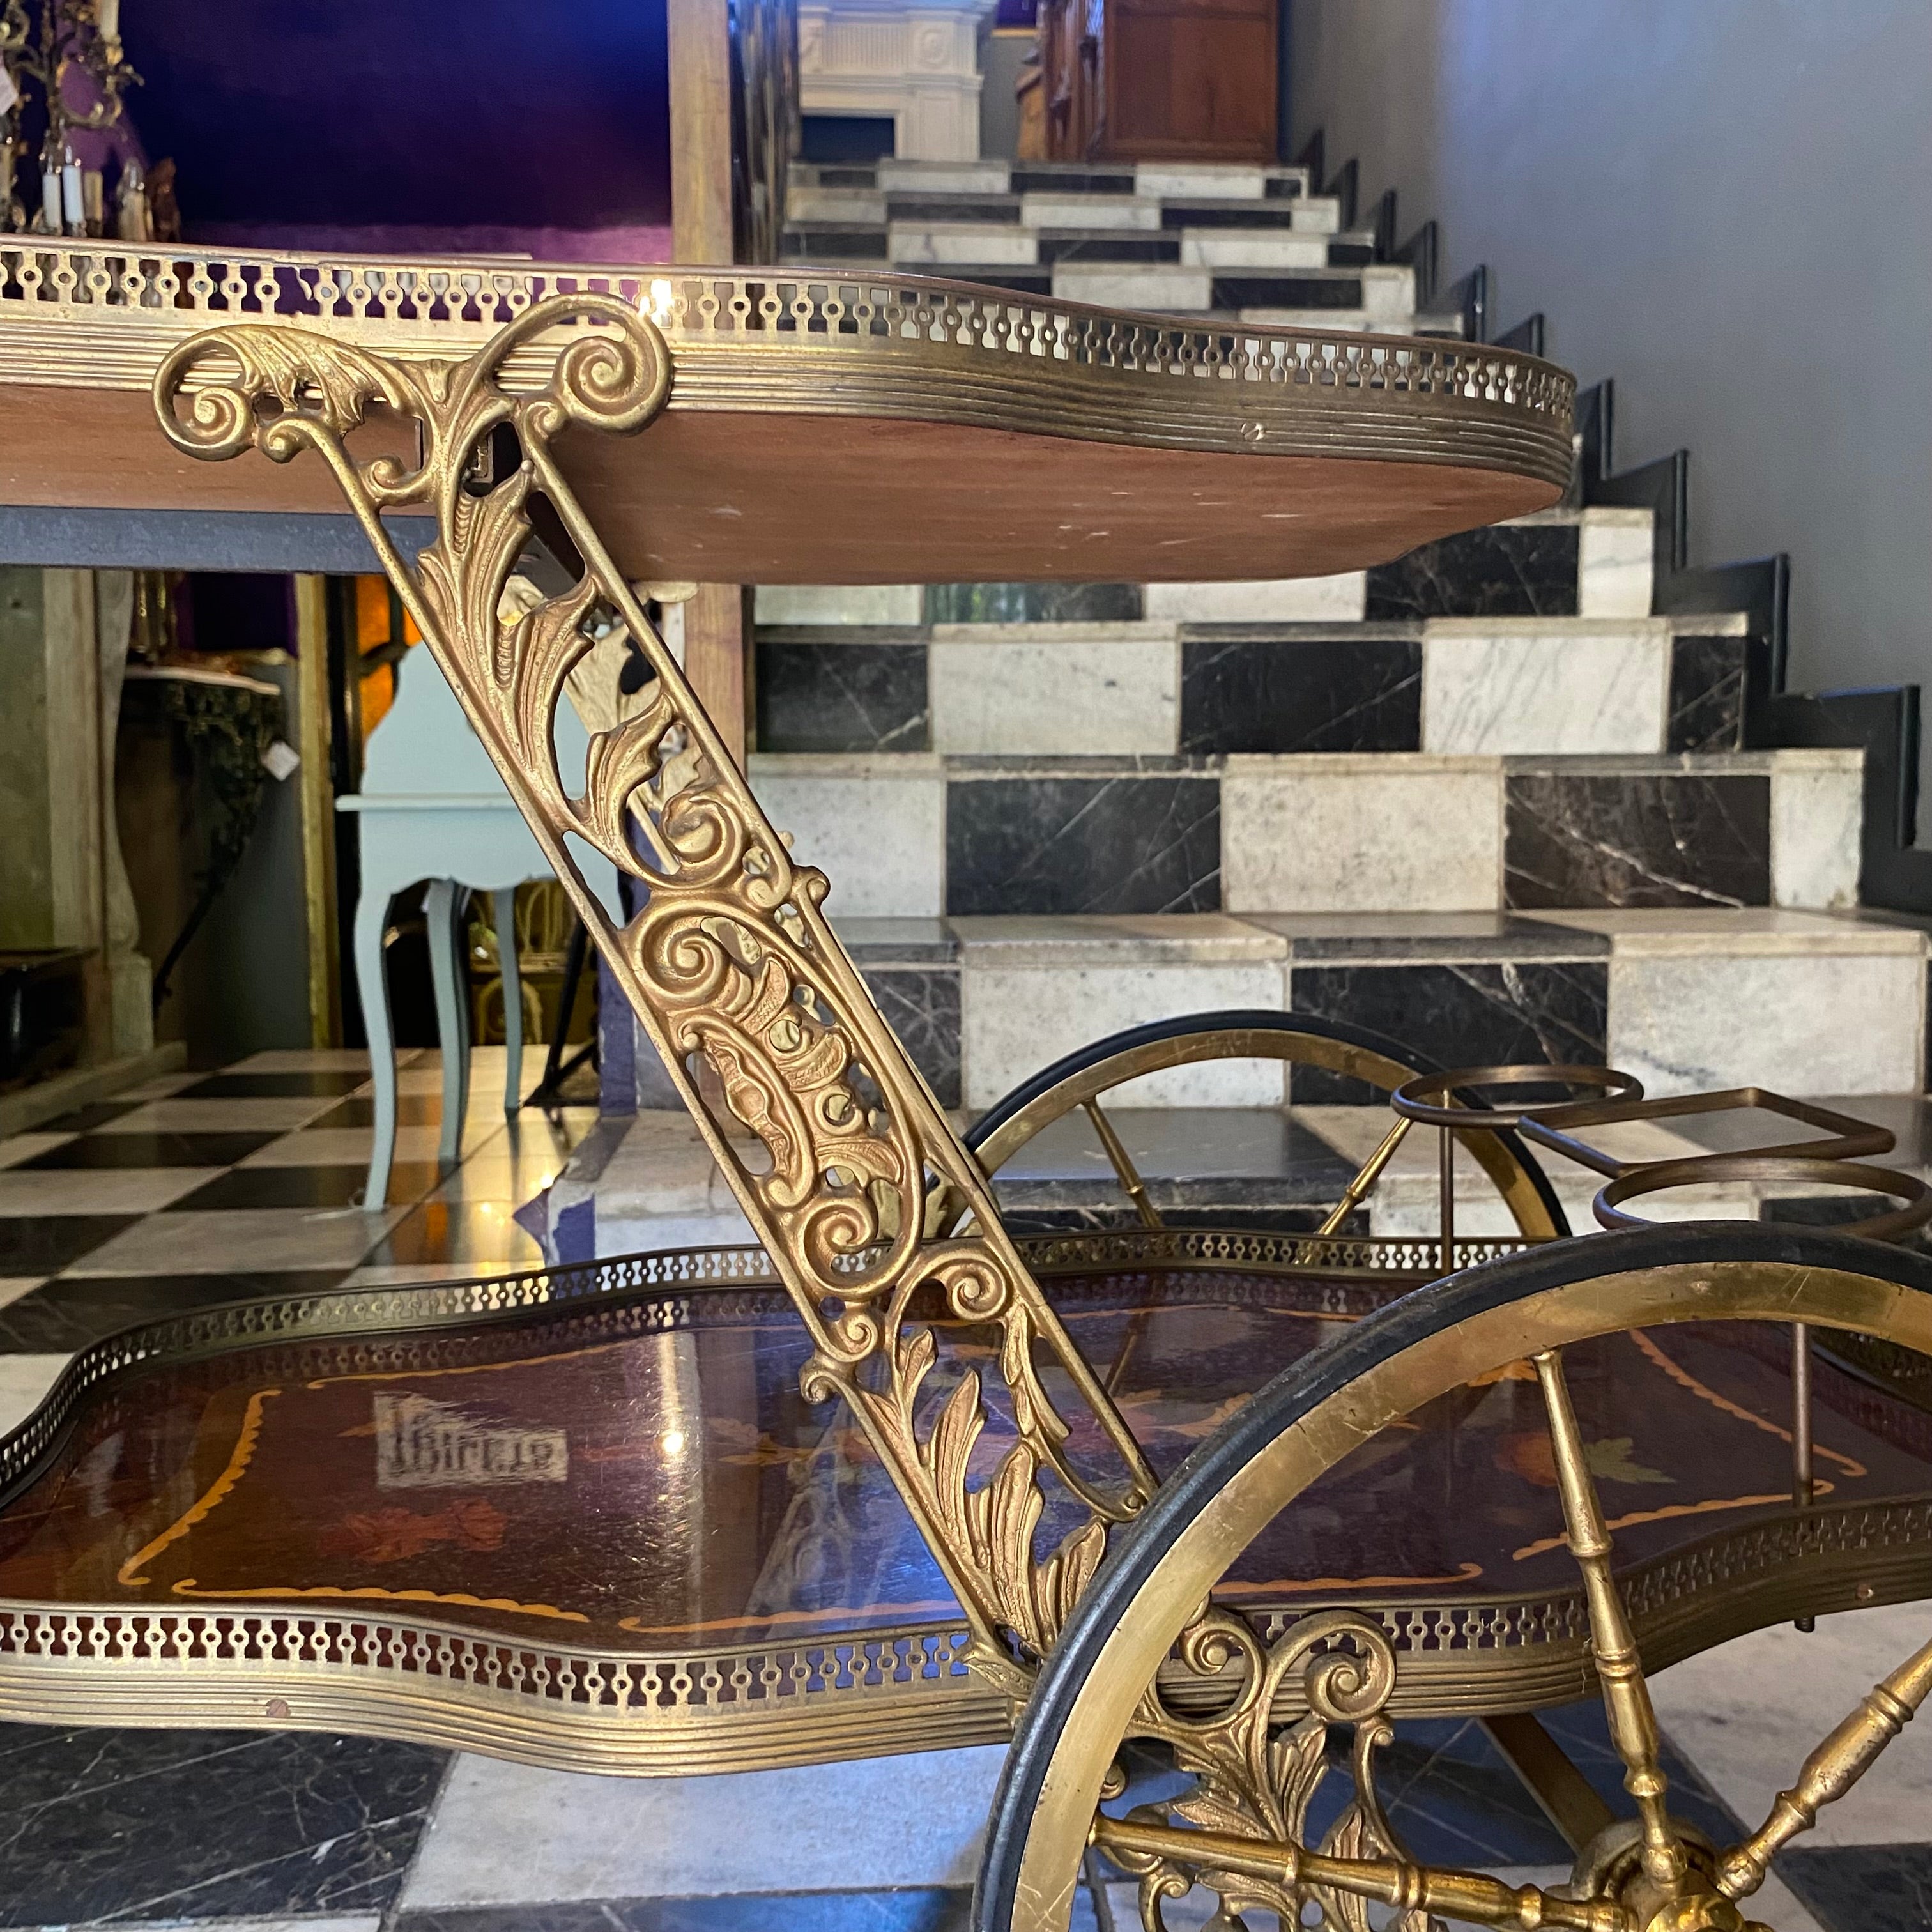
1211 1501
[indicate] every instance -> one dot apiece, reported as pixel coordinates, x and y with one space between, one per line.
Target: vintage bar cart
1176 1503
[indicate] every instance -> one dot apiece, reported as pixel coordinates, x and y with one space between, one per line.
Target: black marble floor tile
867 696
1116 244
66 1314
1636 839
332 1186
146 1825
1130 843
1454 1800
1457 1015
1072 181
1263 694
921 1003
1351 254
1225 215
1004 207
823 242
1863 1887
46 1243
1032 603
1231 292
103 1151
85 1120
925 1908
292 1085
1526 570
1707 694
413 1110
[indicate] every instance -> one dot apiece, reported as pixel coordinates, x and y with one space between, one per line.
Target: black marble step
994 208
816 242
1021 280
1225 215
1520 570
1351 254
1107 244
1037 179
1308 288
1283 187
827 176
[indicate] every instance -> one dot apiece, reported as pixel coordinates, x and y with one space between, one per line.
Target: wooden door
1188 80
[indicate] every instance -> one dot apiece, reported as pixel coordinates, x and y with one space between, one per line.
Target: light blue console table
432 807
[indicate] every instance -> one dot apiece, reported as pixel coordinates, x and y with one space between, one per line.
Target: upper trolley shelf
832 427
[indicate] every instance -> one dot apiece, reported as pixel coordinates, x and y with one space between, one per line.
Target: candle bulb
50 196
74 208
107 17
93 199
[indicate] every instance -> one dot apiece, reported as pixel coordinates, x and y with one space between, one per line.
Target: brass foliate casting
829 1138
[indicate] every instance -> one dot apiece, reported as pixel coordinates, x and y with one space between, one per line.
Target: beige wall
1726 205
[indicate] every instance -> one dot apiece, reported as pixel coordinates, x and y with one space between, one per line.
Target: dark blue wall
415 112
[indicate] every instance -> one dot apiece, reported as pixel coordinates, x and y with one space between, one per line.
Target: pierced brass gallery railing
100 315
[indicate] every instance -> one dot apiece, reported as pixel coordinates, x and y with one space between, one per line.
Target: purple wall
461 117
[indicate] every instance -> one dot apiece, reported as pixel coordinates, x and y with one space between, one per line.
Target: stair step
916 834
1806 1003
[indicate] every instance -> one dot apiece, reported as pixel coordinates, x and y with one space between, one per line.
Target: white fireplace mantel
917 60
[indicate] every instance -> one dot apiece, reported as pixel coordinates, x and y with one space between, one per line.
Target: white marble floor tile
107 1190
1111 695
356 1922
876 826
24 1380
840 603
1378 832
334 1147
1014 1021
314 1060
1817 808
216 1240
17 1147
1290 600
1747 1713
1615 556
1568 687
255 1113
13 1286
503 1833
1843 1023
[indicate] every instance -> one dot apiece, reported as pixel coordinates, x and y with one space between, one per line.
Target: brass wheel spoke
1830 1771
1619 1669
1370 1172
1123 1166
1472 1897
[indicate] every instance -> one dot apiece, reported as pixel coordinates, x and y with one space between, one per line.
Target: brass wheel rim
1510 1179
1143 1631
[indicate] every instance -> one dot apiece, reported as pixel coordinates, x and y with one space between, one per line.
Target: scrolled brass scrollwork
827 1135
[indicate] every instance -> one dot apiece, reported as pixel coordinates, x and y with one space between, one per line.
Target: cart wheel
1241 1832
1301 1039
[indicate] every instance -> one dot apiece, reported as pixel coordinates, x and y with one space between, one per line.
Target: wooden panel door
1188 80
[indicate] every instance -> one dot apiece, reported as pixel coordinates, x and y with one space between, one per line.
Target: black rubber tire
1258 1019
1291 1396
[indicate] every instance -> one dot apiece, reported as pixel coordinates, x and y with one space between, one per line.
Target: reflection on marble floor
204 1188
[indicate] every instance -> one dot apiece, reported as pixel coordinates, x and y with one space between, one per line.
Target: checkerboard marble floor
201 1188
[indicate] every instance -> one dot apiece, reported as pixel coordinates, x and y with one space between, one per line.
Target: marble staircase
1522 794
1249 244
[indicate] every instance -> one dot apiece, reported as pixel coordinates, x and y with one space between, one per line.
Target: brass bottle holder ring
1657 1177
1421 1099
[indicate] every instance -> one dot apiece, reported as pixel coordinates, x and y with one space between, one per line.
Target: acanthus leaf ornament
830 1139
